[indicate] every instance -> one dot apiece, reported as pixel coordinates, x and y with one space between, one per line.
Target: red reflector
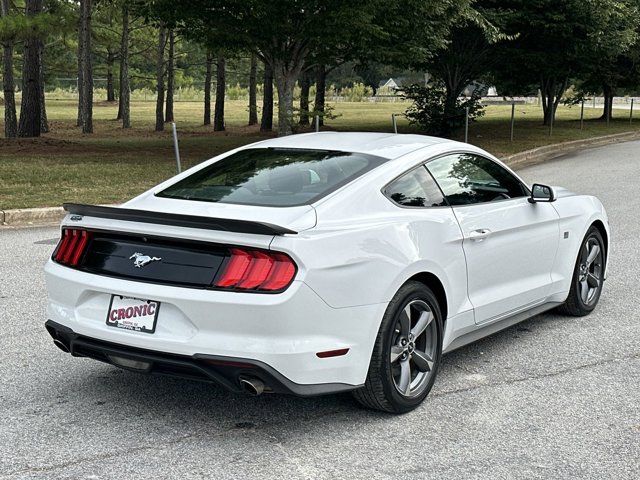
71 246
332 353
257 270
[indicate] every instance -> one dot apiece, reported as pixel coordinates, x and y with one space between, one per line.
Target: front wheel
407 352
588 276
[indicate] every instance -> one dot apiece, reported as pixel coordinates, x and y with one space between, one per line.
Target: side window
466 179
415 189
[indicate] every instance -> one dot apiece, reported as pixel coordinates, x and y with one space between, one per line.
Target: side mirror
541 193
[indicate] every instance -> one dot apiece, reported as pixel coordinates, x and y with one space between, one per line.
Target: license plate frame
138 310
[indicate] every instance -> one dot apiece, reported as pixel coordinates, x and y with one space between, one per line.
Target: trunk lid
177 242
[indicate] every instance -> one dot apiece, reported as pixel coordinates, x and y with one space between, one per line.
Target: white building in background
390 85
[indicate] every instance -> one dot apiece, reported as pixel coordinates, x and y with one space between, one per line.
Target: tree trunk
449 118
285 85
119 114
285 75
207 89
218 117
551 91
10 119
111 94
80 57
548 112
305 86
162 40
253 101
44 122
29 125
87 70
608 93
321 84
124 109
266 122
168 114
455 79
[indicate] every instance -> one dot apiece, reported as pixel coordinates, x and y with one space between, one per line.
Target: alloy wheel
413 348
590 273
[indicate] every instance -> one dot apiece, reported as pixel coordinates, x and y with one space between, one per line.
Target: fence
144 90
619 103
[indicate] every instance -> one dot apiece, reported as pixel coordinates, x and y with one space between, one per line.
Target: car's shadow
109 387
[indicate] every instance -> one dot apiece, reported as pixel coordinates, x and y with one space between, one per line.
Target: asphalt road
554 397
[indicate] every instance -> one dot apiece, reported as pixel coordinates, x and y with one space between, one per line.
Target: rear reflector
256 270
71 246
332 353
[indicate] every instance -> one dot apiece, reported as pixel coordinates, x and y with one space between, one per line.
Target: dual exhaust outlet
252 386
61 345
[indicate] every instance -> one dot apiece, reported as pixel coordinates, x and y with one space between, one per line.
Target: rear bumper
282 331
224 371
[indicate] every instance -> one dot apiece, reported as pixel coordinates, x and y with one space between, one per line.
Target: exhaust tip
252 386
58 343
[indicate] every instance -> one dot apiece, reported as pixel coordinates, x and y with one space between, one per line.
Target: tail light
71 246
256 270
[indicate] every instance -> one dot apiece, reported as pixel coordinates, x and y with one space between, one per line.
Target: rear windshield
273 177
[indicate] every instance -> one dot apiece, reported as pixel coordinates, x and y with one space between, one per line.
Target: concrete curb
548 152
31 216
52 215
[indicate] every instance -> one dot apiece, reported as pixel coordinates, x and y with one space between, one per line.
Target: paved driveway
553 397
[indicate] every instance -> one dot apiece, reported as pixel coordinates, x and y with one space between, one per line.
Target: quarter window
415 189
467 179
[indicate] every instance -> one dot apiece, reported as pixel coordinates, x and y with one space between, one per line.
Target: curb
548 152
52 215
31 216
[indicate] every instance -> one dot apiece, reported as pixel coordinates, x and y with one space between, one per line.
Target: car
322 263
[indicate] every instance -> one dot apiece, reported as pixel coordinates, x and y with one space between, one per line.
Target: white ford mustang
321 263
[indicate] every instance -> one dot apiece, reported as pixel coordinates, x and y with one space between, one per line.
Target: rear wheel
406 353
588 276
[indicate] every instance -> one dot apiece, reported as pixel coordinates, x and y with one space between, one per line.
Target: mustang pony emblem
141 259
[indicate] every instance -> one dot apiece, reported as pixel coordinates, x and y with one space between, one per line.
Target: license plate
133 314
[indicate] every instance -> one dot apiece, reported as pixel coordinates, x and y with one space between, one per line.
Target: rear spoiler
176 219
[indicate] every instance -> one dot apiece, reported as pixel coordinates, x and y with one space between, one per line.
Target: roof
388 83
387 145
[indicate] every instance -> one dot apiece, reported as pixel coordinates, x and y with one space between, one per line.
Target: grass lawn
113 165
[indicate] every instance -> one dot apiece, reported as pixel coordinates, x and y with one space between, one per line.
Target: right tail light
257 271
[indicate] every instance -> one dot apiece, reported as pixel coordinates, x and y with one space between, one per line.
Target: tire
578 304
421 352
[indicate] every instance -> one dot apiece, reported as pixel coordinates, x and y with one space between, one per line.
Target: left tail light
257 271
71 246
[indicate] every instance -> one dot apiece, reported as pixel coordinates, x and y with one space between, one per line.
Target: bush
237 92
143 94
357 93
435 113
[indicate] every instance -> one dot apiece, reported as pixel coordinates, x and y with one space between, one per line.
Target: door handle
479 234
